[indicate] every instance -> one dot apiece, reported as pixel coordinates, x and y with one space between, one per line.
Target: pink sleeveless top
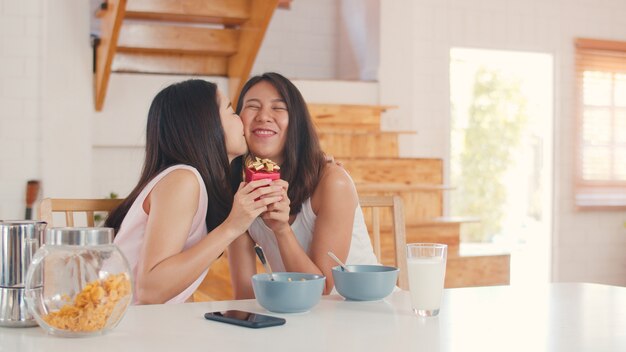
130 237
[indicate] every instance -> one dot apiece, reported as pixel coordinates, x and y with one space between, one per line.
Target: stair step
446 234
170 39
342 145
343 117
329 131
181 64
418 206
228 12
447 220
400 171
478 270
395 170
396 188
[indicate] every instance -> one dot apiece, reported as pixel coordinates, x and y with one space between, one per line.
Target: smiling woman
267 121
319 210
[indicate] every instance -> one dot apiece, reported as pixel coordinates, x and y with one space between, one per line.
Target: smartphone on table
247 319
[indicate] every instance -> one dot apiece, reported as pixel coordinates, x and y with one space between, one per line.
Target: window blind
601 124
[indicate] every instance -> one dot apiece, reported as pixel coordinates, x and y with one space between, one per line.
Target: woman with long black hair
185 210
319 210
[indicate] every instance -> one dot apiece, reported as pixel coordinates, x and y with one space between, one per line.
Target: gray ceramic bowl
365 282
289 293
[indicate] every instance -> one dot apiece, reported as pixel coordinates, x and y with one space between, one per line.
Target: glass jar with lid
79 282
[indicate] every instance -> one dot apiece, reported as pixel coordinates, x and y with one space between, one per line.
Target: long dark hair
303 159
184 127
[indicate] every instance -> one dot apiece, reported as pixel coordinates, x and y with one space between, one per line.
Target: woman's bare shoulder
178 187
334 175
183 179
335 185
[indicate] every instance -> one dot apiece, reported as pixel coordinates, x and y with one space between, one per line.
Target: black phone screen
247 319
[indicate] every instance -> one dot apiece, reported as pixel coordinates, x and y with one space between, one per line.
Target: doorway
501 143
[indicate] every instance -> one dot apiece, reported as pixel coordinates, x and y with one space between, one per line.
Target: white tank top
361 251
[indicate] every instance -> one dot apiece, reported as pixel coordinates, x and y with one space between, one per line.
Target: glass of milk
427 269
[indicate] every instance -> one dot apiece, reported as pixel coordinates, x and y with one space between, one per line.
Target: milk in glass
426 277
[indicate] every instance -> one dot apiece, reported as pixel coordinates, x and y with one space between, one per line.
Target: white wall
66 100
587 246
301 42
46 102
20 102
397 67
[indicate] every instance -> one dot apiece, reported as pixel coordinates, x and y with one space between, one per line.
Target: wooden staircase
352 135
190 37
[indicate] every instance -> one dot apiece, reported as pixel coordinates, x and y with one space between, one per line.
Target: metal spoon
341 264
266 265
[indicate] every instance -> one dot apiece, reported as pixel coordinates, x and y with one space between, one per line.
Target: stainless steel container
19 240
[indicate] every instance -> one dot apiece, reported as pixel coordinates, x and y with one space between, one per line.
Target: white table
557 317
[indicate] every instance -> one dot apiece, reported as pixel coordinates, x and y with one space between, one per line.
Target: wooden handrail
110 24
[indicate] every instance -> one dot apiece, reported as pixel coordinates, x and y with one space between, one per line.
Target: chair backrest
398 231
49 206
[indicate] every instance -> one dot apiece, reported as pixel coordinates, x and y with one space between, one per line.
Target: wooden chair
398 230
49 206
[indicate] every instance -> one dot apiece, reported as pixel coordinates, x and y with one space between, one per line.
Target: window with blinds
601 139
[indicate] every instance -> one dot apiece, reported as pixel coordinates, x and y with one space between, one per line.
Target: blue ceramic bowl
365 282
289 292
